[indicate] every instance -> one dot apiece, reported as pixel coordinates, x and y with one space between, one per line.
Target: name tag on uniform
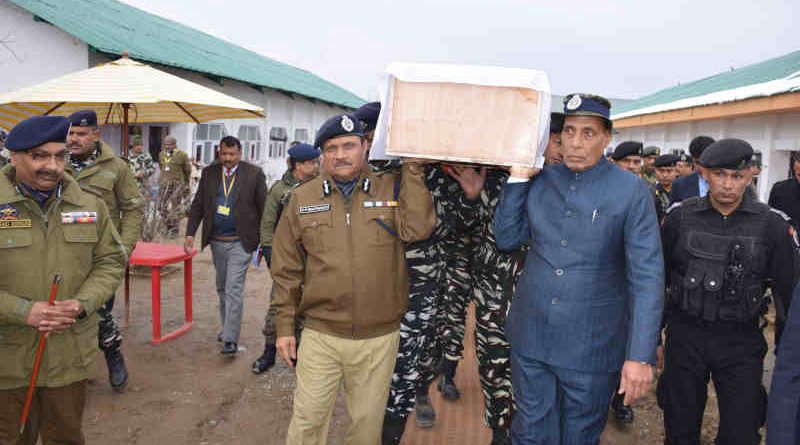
304 210
166 169
15 224
78 217
379 204
223 210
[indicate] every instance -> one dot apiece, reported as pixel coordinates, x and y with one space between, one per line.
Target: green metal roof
772 69
113 27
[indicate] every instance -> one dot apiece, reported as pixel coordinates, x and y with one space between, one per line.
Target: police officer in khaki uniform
338 261
49 226
100 172
173 181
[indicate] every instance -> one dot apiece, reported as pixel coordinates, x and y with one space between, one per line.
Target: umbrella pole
125 130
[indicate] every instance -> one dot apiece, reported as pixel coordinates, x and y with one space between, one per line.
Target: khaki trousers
325 362
56 414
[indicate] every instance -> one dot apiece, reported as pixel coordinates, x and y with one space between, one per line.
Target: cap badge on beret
84 122
347 123
574 102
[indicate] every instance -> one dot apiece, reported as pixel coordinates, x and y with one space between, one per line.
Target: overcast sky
620 49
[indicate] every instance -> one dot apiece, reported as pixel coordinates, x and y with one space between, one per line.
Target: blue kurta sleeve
511 218
783 414
644 276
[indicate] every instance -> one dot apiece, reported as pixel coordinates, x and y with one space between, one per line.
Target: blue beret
83 118
579 104
303 152
368 115
556 122
627 148
668 160
341 125
730 154
36 131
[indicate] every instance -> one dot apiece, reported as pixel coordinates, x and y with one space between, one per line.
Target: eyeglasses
60 157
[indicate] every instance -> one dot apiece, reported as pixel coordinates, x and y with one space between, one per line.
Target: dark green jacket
269 220
34 246
111 178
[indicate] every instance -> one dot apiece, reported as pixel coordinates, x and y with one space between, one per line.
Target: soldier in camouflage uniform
494 274
142 165
98 171
418 353
173 182
649 155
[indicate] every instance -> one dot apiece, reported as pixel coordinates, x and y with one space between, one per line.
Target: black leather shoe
500 436
426 416
266 361
393 429
622 413
117 372
229 348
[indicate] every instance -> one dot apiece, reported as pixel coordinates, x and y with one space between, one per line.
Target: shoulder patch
781 214
674 206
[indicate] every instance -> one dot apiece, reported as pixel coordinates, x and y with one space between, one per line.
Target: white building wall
774 135
290 112
35 51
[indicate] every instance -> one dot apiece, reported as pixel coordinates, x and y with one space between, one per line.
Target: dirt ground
185 392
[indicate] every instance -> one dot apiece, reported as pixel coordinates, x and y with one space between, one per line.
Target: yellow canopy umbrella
120 91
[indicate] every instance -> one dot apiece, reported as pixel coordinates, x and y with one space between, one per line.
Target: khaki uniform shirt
174 167
340 262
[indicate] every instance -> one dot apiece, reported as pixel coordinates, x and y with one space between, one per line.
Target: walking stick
39 354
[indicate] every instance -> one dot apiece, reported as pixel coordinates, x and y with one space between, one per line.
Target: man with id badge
229 202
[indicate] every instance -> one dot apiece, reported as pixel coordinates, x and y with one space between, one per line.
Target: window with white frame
277 142
250 136
301 134
206 141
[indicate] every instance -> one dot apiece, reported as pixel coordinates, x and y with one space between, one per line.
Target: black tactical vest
720 273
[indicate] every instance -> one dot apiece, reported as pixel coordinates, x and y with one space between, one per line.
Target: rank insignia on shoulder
377 204
8 212
78 217
305 210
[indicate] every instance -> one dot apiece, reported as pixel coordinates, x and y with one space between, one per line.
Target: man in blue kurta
588 305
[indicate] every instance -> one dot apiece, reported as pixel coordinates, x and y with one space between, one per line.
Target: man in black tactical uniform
721 252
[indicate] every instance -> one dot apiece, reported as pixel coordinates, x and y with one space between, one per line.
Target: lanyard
227 187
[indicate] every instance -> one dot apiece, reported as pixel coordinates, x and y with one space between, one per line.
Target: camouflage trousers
493 275
268 330
108 336
455 253
172 195
417 328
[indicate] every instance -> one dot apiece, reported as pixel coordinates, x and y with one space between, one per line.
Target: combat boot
622 412
447 384
117 372
426 416
393 429
500 436
266 361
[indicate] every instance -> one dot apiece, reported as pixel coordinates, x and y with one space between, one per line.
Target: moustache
48 174
342 164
